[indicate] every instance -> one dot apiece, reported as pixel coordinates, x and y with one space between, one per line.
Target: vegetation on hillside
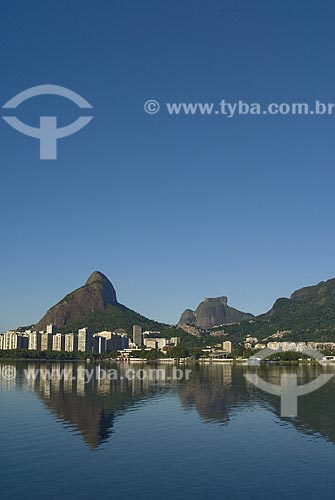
309 315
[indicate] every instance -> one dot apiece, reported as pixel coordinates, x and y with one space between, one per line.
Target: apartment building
34 341
58 342
46 341
84 340
71 342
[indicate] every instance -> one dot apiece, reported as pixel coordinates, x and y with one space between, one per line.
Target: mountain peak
92 298
97 277
218 300
213 311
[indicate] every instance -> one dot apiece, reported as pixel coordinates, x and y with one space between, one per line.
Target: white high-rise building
84 340
8 341
71 342
58 342
51 329
13 340
46 341
34 341
227 346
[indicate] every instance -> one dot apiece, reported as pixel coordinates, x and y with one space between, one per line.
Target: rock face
187 318
213 312
93 297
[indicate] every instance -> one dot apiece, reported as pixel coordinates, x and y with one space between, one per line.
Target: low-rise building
156 342
273 345
151 343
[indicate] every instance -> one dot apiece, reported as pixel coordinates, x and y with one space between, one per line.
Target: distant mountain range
309 314
95 305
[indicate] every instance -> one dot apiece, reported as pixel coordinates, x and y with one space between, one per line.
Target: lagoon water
215 436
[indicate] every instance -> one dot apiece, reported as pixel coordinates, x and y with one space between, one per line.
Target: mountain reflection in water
216 391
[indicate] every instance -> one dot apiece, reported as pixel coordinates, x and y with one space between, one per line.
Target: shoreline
241 362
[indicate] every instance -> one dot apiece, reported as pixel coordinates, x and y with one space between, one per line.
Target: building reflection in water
215 391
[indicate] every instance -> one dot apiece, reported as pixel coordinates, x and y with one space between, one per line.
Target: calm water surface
212 437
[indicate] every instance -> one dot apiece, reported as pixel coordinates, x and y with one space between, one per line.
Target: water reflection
216 392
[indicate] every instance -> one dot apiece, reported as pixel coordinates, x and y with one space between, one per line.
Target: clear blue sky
172 209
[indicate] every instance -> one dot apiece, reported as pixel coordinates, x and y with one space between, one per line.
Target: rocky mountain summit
93 297
212 312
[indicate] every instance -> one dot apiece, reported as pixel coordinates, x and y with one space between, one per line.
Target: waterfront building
99 344
34 341
71 342
46 341
22 341
137 335
114 341
160 343
288 346
273 345
13 340
84 340
151 343
117 342
58 342
107 334
8 339
227 346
